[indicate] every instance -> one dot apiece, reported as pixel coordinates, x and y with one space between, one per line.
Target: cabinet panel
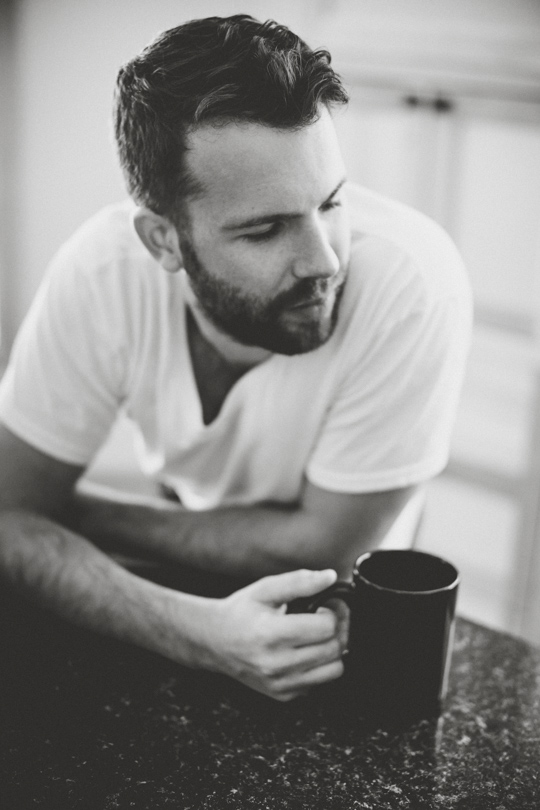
496 218
382 149
475 167
401 145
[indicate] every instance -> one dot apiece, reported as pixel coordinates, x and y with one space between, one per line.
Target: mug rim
455 582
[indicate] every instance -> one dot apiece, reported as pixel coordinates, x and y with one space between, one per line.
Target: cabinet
472 162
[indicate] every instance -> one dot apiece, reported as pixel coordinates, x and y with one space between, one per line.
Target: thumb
280 588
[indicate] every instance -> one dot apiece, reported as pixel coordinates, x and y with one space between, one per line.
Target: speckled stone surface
90 723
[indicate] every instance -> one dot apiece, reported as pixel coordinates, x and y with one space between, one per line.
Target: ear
160 238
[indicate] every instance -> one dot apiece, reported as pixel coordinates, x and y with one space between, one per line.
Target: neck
233 352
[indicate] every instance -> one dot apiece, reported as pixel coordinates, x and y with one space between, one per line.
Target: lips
310 294
312 302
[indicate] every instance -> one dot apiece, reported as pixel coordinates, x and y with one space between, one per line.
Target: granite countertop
91 723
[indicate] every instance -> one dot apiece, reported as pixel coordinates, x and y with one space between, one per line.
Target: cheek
342 239
257 271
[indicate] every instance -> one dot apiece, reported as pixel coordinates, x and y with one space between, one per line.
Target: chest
214 376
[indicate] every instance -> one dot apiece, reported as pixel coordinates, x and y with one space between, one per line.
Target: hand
253 639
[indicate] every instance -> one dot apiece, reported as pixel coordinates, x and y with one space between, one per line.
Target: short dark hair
215 70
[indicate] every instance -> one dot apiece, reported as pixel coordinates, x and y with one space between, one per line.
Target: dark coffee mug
402 614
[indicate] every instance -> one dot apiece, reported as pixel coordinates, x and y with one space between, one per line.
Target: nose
315 257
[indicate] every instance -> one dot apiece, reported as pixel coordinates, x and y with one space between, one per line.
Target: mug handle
309 604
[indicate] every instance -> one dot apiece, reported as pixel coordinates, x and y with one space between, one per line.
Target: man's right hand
250 637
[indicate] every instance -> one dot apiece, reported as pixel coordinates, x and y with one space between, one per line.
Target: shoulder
104 260
404 273
399 234
401 260
107 239
103 279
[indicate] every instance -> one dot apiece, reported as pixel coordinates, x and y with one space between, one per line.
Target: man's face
268 241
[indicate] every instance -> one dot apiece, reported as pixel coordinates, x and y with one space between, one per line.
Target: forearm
323 530
245 541
248 542
73 578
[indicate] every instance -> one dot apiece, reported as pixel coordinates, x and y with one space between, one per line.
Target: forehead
252 169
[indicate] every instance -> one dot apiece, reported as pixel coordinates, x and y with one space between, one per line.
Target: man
293 373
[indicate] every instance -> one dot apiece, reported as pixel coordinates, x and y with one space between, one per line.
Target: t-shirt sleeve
390 421
65 380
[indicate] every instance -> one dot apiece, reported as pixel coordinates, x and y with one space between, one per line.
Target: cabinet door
399 144
471 164
494 216
474 165
495 207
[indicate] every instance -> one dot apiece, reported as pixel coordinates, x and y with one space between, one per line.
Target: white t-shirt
370 410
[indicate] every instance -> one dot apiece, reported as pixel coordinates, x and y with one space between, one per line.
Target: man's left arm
325 530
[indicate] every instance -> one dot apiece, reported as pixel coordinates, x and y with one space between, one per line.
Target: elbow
323 548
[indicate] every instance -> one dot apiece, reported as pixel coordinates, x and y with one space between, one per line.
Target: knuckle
266 634
329 622
285 697
286 690
267 672
337 669
335 649
268 668
334 619
259 646
305 577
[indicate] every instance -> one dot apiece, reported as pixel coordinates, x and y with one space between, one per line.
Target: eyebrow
267 218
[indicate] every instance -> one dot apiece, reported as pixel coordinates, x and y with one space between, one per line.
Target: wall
65 56
7 151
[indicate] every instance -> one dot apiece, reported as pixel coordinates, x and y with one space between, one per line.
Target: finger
285 663
304 629
288 695
281 588
327 672
289 668
316 655
313 677
342 614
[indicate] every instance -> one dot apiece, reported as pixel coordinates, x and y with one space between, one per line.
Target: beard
273 325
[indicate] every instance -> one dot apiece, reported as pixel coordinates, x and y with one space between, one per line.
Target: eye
263 236
327 206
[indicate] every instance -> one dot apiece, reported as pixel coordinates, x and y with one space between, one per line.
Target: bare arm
247 635
326 529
